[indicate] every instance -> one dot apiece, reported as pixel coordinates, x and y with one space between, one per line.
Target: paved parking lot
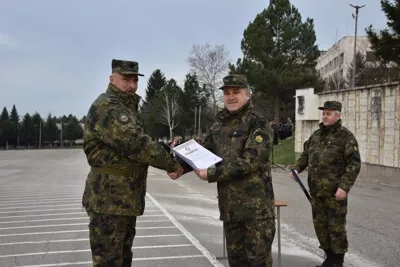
42 222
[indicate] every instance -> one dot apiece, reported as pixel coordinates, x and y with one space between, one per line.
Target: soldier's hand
340 194
175 175
202 173
292 176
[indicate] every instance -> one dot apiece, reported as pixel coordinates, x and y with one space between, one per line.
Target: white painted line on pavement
42 226
134 259
70 213
78 231
80 240
188 235
42 206
44 233
21 211
88 250
47 220
80 218
44 215
38 197
61 225
67 200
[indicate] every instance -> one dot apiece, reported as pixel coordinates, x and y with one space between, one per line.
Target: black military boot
328 262
338 260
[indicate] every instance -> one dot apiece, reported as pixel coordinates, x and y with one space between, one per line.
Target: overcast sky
55 56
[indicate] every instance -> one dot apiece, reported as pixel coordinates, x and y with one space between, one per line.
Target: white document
196 155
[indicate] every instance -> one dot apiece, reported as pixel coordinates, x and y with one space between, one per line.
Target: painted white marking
63 225
43 215
134 259
21 211
46 220
68 200
88 250
39 206
187 234
79 240
80 218
69 213
44 233
78 231
41 226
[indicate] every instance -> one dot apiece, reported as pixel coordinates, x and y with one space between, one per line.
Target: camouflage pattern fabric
234 80
119 152
243 140
111 239
249 243
125 67
332 105
333 160
329 218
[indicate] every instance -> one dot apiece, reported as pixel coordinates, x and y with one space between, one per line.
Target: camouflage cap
332 105
125 67
234 80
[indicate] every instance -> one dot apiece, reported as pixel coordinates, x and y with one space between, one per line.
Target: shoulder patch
259 139
123 117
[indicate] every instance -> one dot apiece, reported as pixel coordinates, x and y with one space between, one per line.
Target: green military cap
234 80
332 105
125 67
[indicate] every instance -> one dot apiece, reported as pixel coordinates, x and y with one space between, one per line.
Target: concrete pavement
43 224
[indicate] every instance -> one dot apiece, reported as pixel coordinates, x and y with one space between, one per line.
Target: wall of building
339 58
373 115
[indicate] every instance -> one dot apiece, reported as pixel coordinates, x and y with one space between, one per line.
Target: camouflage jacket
243 140
333 160
119 153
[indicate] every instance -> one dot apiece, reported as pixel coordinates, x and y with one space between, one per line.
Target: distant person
333 160
119 153
243 139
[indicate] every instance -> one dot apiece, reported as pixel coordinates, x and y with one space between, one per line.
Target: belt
119 172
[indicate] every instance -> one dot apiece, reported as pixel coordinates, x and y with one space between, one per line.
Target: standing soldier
243 139
333 160
119 153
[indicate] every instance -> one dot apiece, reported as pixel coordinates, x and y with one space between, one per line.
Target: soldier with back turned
333 160
119 153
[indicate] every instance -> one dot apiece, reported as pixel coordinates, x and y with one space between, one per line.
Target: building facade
335 65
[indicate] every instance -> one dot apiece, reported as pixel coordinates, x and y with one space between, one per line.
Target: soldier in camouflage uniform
243 139
333 160
119 153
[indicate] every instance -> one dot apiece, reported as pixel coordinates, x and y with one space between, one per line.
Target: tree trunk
277 105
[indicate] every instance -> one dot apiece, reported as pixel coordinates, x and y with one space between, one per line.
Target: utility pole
353 82
195 121
61 133
40 133
199 121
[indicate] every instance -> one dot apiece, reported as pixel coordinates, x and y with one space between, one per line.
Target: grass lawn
284 152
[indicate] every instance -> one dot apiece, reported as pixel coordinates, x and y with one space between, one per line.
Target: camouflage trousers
249 243
329 217
111 239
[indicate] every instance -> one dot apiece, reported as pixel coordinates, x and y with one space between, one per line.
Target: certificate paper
196 155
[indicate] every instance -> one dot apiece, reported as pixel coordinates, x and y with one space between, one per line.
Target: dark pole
353 82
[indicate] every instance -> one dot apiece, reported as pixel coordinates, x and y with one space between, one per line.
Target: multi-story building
335 65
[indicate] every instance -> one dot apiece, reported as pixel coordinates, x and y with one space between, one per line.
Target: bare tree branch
210 65
168 111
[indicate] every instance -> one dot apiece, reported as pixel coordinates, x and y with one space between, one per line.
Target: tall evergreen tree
155 84
51 130
279 55
27 133
386 43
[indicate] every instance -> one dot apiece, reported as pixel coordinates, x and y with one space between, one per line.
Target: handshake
182 167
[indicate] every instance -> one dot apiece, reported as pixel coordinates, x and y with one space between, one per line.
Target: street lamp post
353 81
